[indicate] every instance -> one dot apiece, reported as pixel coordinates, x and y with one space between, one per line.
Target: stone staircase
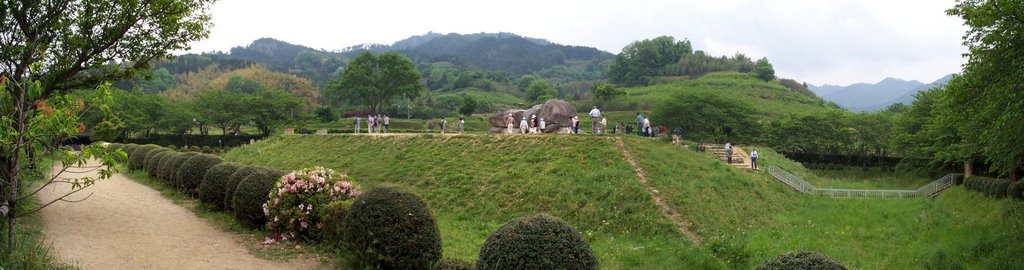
739 156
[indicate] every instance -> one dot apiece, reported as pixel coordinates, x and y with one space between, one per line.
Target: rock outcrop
555 112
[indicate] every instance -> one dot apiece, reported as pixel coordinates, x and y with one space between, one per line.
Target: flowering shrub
293 205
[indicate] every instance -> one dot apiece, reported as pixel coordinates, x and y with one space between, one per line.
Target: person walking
510 122
387 123
462 125
595 118
604 125
379 123
523 126
357 124
753 158
444 125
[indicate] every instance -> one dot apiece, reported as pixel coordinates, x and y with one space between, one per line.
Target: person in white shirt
444 125
523 125
387 122
753 158
369 123
357 124
510 122
595 115
543 126
604 125
462 124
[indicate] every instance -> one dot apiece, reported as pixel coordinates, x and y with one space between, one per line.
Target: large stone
555 112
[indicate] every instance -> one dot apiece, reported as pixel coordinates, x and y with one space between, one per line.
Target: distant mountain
871 97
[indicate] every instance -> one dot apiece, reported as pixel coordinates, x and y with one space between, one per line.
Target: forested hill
495 52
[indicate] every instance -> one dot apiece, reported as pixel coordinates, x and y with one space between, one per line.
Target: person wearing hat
533 124
523 126
595 116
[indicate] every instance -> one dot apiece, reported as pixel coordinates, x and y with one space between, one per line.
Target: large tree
986 100
377 80
764 70
48 48
707 117
640 60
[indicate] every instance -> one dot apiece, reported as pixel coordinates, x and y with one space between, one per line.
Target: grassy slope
768 98
748 217
477 183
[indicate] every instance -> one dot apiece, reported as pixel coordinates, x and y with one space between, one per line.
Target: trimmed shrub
1002 186
1015 190
152 159
206 149
801 260
251 194
211 191
194 149
137 158
169 170
453 264
192 171
391 229
536 242
293 202
158 163
129 148
333 218
232 184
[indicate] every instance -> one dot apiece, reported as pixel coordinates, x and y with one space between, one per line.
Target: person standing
444 125
430 126
646 127
510 122
753 158
357 124
462 125
604 125
728 153
533 124
595 117
369 123
639 120
378 123
387 123
543 126
523 126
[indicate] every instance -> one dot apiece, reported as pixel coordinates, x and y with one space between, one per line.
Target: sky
837 42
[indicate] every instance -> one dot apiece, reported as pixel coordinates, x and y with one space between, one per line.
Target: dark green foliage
152 159
801 260
708 117
232 183
206 149
214 184
192 171
129 148
137 158
251 194
391 229
194 149
453 264
1001 188
958 179
536 242
333 218
764 70
1015 190
169 170
641 60
153 168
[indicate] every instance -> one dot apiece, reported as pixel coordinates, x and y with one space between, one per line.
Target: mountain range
872 97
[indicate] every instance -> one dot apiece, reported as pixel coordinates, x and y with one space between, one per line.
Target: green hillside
768 98
476 183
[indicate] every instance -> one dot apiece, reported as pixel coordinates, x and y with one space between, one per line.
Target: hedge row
999 188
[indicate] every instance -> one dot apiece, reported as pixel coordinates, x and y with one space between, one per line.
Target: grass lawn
871 179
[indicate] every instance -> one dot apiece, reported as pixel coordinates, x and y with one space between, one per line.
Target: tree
606 92
223 109
326 114
377 80
48 48
238 84
271 109
708 117
985 101
469 105
641 60
764 70
539 91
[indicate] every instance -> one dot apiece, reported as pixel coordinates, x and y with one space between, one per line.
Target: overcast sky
821 42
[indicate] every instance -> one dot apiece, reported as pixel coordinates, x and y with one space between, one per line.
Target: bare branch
61 198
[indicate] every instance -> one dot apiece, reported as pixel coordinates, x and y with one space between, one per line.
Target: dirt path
681 223
126 225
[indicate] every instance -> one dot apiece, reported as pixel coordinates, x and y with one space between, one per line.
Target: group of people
729 152
374 124
535 124
443 124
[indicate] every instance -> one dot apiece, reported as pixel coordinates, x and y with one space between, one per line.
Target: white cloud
836 42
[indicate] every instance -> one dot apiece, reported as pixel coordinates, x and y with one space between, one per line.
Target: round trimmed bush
158 162
1015 190
168 171
194 148
232 184
192 171
1001 188
152 160
137 158
129 148
801 260
211 191
391 229
251 194
206 149
536 242
333 217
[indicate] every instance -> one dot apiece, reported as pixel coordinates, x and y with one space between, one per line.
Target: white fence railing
929 190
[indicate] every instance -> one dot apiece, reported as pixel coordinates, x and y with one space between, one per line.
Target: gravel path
126 225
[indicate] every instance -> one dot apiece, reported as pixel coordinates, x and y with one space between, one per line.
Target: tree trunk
9 167
968 168
1015 174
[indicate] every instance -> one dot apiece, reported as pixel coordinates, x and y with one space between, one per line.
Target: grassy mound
475 184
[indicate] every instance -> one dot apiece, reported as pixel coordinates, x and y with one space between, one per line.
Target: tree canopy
764 70
377 80
641 60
